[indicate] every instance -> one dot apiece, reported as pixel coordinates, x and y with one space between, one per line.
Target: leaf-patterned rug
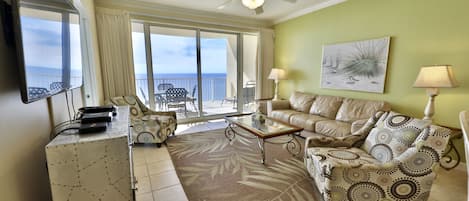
211 168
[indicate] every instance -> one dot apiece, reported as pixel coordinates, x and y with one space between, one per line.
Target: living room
221 53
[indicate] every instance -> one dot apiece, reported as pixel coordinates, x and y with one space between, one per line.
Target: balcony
216 97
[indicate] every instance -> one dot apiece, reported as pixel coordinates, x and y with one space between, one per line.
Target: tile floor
157 179
154 170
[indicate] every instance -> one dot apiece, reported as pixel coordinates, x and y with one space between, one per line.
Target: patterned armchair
148 126
398 161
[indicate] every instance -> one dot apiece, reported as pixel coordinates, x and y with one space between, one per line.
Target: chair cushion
326 106
283 115
306 121
356 109
394 133
300 101
333 128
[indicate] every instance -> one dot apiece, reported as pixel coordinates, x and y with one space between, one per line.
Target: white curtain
115 45
265 61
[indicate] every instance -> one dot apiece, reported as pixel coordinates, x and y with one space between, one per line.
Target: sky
171 54
177 54
42 41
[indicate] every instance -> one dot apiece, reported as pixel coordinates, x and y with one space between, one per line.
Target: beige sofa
327 119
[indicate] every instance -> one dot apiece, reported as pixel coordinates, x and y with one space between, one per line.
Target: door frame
150 77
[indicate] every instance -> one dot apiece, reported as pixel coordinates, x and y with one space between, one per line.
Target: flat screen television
47 34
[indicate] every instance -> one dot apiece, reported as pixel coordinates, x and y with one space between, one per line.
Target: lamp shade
252 4
436 77
277 74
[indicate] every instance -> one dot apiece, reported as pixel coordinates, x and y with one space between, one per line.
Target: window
204 64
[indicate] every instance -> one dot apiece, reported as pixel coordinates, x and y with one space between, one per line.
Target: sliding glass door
191 71
175 80
219 59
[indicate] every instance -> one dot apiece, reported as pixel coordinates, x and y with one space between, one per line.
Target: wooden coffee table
264 130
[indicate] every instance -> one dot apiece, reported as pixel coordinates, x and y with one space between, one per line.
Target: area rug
211 168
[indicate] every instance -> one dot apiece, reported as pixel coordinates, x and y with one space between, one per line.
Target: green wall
423 32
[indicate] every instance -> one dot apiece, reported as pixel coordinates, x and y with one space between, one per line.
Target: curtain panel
115 46
265 61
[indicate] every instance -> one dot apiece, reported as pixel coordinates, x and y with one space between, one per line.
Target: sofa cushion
333 128
326 106
283 115
394 134
300 101
306 121
356 109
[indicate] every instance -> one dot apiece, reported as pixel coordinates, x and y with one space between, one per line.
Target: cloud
42 43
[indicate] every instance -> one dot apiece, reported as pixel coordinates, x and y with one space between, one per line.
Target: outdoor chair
193 98
164 86
148 126
176 98
147 102
57 86
36 92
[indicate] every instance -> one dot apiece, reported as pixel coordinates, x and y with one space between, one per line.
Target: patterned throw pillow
394 133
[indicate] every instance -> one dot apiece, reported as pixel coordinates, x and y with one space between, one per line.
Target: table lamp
432 78
276 74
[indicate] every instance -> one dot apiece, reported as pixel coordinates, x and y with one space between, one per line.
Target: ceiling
274 10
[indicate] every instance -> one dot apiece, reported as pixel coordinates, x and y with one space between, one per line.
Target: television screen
49 48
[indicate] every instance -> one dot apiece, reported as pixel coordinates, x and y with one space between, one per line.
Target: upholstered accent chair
398 161
148 126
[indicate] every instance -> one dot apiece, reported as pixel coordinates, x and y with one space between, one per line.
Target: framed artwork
358 66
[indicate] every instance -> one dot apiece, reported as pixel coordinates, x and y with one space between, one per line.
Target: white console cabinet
95 166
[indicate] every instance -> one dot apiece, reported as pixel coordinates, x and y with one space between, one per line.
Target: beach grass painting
359 66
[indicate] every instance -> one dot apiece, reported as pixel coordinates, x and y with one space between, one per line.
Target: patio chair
148 126
159 99
36 92
164 86
193 98
177 98
56 86
147 102
249 94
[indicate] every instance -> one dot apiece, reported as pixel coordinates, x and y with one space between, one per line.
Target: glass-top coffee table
263 130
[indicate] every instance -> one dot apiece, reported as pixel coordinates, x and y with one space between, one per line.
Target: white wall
24 131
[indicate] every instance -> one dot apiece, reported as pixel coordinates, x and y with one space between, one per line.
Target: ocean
213 84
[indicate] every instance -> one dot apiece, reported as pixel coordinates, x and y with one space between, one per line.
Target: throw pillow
393 134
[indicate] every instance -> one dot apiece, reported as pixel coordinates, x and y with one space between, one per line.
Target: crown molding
307 10
140 8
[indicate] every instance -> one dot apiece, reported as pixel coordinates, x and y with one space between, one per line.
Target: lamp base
276 91
430 108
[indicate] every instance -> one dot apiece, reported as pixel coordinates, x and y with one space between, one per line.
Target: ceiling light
252 4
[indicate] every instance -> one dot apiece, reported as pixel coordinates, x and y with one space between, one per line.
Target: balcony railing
213 88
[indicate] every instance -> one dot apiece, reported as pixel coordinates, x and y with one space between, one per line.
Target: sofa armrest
277 105
160 113
167 113
356 139
328 141
357 125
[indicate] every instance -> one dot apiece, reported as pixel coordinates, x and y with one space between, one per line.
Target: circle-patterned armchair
148 126
398 161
